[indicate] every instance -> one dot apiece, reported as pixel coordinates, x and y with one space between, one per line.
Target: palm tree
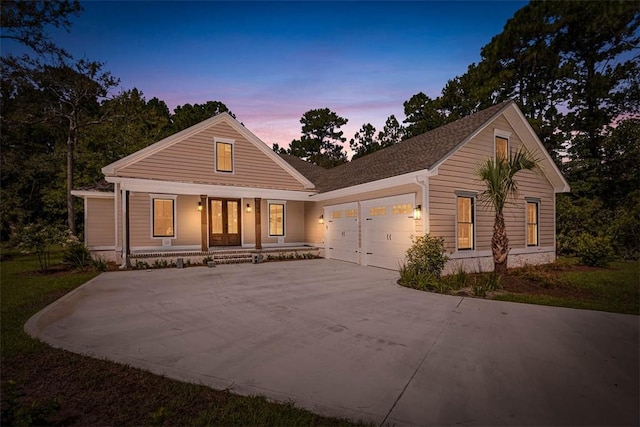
498 175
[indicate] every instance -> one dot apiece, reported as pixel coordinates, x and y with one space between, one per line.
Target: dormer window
224 156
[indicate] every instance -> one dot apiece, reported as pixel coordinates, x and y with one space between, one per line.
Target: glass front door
224 222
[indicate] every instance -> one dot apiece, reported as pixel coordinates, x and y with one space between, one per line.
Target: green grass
24 292
614 289
46 386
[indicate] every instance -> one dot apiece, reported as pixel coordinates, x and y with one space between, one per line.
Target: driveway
345 340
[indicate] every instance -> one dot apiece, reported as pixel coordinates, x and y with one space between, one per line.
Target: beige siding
140 221
314 231
188 221
294 223
249 222
100 224
192 160
457 173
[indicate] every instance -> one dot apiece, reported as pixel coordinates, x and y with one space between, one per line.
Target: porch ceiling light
199 206
248 208
417 212
321 219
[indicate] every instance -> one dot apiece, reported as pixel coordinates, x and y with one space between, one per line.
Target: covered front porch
163 220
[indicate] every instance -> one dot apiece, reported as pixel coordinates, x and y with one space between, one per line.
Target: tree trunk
71 221
499 245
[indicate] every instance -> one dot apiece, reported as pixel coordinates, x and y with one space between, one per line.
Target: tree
422 115
364 141
392 133
321 141
71 95
25 22
188 115
498 176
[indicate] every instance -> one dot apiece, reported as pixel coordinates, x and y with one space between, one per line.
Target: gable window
224 156
164 217
533 208
465 222
502 148
276 219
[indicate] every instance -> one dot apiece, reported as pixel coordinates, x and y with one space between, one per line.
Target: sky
270 62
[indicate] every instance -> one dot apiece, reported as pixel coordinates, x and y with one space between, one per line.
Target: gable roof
111 169
422 152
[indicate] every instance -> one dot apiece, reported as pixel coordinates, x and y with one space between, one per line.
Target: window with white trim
465 222
224 156
276 219
533 214
164 217
502 148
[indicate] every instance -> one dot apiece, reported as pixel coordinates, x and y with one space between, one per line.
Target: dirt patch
522 285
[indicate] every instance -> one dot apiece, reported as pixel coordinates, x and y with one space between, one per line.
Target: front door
224 222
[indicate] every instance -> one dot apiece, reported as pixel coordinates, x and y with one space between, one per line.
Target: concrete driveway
345 340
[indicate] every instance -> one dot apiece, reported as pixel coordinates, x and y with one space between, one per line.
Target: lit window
378 211
163 218
532 223
336 214
276 219
465 223
224 157
502 148
406 208
351 213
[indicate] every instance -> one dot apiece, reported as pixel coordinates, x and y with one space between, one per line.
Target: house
216 185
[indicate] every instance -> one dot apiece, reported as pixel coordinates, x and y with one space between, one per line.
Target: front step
232 258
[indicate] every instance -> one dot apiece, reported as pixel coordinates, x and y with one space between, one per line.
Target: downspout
424 184
125 229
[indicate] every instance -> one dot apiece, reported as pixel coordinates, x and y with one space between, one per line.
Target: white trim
101 248
173 197
231 142
512 251
111 169
284 218
191 189
116 188
92 194
86 208
125 229
137 249
381 184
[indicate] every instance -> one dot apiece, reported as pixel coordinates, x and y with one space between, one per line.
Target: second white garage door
387 228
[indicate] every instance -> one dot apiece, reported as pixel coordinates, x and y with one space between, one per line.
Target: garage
341 228
387 227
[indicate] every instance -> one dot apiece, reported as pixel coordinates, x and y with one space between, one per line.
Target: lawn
46 386
564 283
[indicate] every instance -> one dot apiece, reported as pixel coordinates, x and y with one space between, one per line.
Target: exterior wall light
417 212
321 219
199 206
248 208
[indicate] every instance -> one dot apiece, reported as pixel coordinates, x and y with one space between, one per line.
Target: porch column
125 230
258 227
203 224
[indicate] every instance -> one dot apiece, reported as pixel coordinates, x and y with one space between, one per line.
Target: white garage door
387 228
341 232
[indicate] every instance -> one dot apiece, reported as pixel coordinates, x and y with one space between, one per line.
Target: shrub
426 256
100 264
594 251
77 256
40 238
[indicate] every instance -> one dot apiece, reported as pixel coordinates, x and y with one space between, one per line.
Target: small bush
77 256
594 251
100 264
40 238
427 255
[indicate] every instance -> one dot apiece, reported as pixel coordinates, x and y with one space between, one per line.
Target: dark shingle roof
417 153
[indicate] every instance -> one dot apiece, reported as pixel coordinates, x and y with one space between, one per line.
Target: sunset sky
270 62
